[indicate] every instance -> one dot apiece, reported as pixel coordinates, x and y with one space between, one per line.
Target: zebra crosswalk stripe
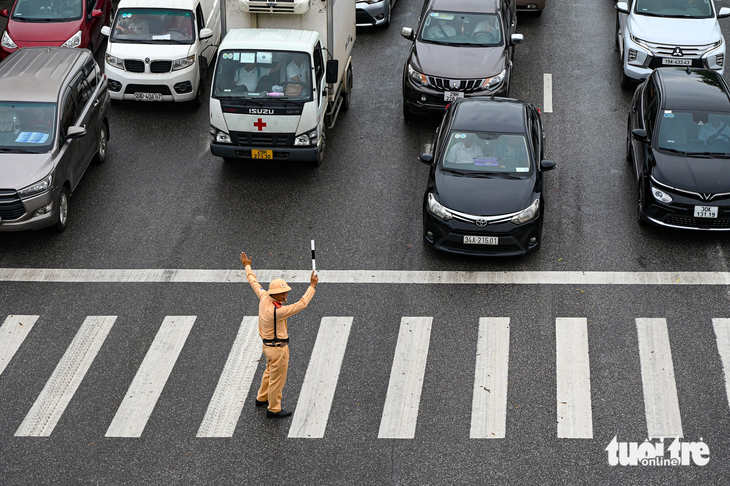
234 384
12 334
573 372
489 402
66 378
722 334
147 385
320 382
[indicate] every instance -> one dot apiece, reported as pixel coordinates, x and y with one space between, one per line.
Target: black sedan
678 142
484 193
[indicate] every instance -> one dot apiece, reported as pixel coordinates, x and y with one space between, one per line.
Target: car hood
20 170
704 176
675 32
38 33
170 52
458 62
484 197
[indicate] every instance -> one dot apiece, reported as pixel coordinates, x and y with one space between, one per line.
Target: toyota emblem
481 222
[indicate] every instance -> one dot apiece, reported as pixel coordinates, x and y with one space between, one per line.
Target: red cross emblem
259 124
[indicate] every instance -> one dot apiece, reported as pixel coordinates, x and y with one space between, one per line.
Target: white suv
655 33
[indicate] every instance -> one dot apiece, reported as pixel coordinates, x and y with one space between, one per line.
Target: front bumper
371 13
30 220
514 239
680 213
178 86
294 154
425 99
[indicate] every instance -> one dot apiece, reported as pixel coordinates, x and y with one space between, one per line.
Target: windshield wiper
18 150
674 151
454 171
717 155
504 175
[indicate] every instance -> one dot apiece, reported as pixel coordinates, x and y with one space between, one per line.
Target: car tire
63 198
640 205
626 82
322 145
347 97
616 32
387 18
100 156
629 156
407 113
196 102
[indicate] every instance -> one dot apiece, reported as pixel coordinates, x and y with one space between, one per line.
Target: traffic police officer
273 331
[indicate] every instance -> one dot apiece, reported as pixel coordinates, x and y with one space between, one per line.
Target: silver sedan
373 12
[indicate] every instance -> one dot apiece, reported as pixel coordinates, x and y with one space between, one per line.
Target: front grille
147 88
263 139
666 50
160 67
133 66
689 222
362 17
272 6
11 207
444 84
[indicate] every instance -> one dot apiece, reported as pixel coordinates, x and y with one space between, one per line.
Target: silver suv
54 119
655 33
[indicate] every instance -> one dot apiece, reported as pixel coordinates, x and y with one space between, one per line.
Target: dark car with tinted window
485 189
678 144
461 48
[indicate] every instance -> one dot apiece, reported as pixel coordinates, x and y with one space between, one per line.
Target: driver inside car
180 23
510 152
297 69
485 28
713 129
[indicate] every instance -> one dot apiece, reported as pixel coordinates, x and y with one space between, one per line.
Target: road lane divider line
573 373
426 277
320 381
489 402
66 378
141 397
400 412
722 334
12 334
663 418
234 384
547 85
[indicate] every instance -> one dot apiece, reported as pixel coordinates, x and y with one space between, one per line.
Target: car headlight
435 208
74 41
494 81
417 77
179 64
7 42
218 136
306 139
37 188
639 42
114 61
660 195
527 214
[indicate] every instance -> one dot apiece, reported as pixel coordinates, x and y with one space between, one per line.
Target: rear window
47 10
27 127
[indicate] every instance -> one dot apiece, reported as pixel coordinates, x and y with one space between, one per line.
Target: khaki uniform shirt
266 309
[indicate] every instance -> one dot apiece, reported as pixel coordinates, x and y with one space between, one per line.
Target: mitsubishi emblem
454 84
677 52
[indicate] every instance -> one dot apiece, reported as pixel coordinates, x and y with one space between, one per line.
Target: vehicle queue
485 192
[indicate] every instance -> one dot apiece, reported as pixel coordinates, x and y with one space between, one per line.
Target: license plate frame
480 240
262 154
668 61
709 212
453 95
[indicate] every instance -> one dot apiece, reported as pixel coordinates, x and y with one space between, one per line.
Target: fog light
429 235
423 98
44 210
380 17
533 240
114 85
532 6
184 87
632 55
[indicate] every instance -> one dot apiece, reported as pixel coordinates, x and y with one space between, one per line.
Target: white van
160 50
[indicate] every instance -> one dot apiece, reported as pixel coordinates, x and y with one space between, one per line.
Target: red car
68 23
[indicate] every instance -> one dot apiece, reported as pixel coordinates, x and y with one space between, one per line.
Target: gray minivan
54 120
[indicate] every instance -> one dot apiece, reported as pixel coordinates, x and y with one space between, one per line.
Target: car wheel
100 156
618 26
198 100
348 94
626 82
629 156
640 205
62 210
387 18
320 154
407 113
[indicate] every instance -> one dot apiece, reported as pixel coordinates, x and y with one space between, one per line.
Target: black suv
461 48
678 141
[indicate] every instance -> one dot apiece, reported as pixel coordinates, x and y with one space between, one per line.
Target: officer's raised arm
250 276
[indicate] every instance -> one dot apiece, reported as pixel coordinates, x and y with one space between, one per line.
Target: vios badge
677 52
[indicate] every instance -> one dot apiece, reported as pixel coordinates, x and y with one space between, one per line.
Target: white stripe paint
573 370
547 85
66 378
722 334
364 276
320 382
657 373
400 412
12 334
234 384
147 385
489 403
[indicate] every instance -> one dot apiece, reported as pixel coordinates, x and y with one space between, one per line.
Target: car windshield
484 152
47 10
267 75
694 132
696 9
27 127
153 26
458 28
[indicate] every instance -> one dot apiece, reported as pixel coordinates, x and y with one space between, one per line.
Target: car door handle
96 103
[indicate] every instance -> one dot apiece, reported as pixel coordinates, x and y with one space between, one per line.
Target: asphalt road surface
409 366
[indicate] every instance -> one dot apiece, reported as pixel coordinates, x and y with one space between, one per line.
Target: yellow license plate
262 154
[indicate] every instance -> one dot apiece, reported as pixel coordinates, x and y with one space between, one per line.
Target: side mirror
333 71
4 12
75 132
723 13
426 159
639 134
407 32
95 14
205 33
622 7
517 39
106 30
546 165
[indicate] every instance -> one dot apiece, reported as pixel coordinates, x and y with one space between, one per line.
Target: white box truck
284 72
